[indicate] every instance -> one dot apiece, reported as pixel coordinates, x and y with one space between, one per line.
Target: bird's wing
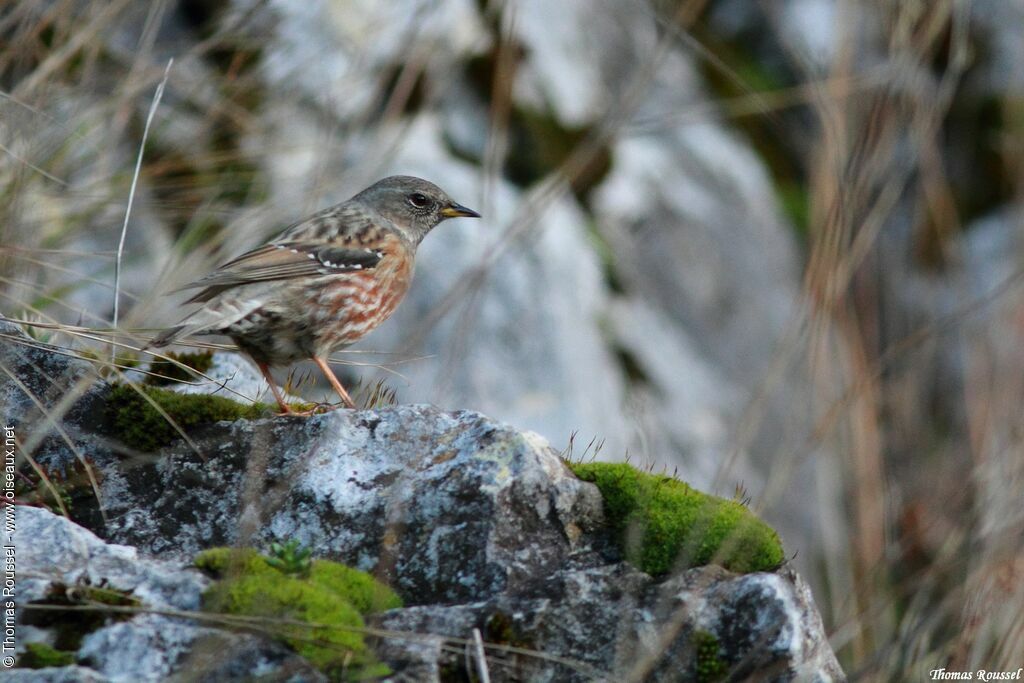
340 239
284 261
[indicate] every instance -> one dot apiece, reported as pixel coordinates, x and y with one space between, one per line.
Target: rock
713 284
59 552
563 381
56 556
426 499
662 353
230 375
620 624
474 523
41 376
64 674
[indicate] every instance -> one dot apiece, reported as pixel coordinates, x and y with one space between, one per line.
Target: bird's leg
329 374
285 408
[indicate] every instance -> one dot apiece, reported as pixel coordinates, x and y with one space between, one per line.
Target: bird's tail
165 338
207 320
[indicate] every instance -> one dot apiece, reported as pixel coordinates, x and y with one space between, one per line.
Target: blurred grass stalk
962 607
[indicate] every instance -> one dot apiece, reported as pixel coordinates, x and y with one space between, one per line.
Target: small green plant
41 656
318 614
663 524
290 558
133 420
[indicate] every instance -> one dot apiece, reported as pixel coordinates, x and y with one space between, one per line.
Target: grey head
414 205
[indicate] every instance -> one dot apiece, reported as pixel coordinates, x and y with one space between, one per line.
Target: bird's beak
454 210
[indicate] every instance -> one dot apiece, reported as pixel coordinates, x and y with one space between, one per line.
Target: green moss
167 372
41 656
138 424
661 521
332 600
362 590
710 665
222 562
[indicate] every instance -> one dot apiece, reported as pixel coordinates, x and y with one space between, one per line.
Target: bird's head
414 205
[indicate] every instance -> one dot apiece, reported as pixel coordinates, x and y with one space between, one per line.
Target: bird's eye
418 200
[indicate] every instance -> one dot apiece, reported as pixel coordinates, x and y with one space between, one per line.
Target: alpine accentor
324 282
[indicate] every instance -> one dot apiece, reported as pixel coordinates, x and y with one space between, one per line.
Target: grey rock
676 380
715 285
63 674
58 552
55 556
559 383
614 623
998 24
428 500
231 375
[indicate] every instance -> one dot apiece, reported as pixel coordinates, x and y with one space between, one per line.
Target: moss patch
664 524
41 655
709 663
166 372
137 423
332 600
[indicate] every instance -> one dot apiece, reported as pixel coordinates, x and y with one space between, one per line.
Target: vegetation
41 656
168 372
710 665
137 423
291 558
319 615
664 524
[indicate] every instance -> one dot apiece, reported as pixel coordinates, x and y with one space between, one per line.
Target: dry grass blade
53 417
271 626
106 336
131 192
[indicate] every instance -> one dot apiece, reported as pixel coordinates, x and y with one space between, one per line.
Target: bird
323 283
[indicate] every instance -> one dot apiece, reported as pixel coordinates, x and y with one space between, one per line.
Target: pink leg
285 408
326 369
